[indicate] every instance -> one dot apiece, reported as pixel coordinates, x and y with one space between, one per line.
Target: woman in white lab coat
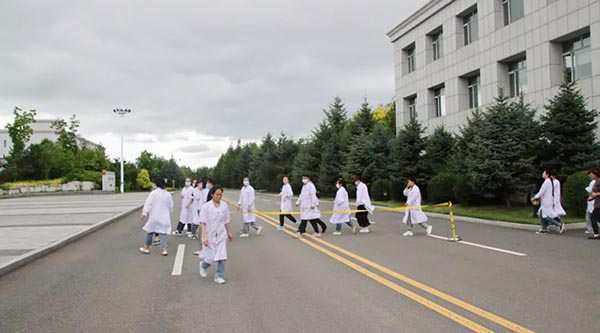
214 223
341 203
197 195
414 215
157 209
246 205
186 215
363 203
286 195
309 208
550 209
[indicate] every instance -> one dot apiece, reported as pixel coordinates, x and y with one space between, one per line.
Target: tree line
497 157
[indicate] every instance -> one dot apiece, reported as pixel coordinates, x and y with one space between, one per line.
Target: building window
439 102
513 10
412 106
411 65
473 91
470 27
517 77
437 45
577 58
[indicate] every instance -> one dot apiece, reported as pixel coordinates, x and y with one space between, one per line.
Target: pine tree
358 159
569 131
407 151
332 161
381 149
438 150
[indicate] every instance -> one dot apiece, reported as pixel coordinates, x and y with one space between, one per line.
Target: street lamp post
121 113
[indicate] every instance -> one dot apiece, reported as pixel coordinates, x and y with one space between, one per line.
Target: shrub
143 180
84 176
443 187
31 183
574 194
380 190
396 190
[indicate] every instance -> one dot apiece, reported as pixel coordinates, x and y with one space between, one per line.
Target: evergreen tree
358 159
407 151
569 132
361 121
20 132
438 150
332 161
305 162
265 167
380 148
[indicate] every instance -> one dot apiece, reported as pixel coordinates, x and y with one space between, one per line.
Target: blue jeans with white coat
220 267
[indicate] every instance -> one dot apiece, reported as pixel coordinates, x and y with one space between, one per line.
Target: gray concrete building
451 56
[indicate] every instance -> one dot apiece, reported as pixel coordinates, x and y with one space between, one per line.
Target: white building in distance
42 129
451 56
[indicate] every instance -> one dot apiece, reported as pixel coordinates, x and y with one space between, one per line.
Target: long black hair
550 175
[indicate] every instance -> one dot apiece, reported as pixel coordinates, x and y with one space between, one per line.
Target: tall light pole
121 113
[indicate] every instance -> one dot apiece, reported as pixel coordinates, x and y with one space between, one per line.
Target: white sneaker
145 251
220 280
197 253
203 272
589 232
429 229
317 234
298 235
165 253
188 233
259 230
408 233
177 233
244 235
364 230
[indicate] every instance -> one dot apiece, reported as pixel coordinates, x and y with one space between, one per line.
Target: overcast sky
199 74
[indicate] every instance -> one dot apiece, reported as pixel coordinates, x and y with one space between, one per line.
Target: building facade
452 56
42 129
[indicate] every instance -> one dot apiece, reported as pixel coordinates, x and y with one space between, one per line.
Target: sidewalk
31 227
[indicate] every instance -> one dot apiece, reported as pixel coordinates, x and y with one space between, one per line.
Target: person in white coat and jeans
157 208
363 203
550 207
414 214
246 205
590 205
341 203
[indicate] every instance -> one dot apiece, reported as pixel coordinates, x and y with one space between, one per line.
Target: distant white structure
108 181
42 129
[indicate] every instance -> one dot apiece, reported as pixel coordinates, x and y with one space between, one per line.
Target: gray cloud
221 69
194 149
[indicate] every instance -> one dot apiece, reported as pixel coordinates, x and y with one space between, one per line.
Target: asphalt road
377 282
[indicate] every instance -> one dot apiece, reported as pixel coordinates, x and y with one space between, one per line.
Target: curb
38 253
510 225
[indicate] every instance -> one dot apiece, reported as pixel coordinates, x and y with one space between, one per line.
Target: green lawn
516 214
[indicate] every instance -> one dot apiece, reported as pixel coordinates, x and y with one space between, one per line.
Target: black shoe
324 228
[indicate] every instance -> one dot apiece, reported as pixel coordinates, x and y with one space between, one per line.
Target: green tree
569 132
332 162
407 154
266 167
148 161
67 133
20 132
305 162
438 151
361 121
171 171
385 115
143 180
380 148
358 159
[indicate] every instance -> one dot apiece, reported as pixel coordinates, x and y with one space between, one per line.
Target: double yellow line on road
473 326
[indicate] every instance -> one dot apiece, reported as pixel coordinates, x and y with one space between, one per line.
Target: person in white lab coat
341 203
309 208
363 202
550 206
206 196
197 195
214 223
157 208
590 205
414 216
187 211
286 195
246 205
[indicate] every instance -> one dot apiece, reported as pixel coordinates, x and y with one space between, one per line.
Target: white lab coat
198 202
214 220
341 203
247 197
187 214
548 202
205 193
308 198
413 199
362 197
286 198
590 204
158 207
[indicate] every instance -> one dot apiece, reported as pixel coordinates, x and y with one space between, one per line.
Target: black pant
363 217
289 216
595 219
181 225
314 222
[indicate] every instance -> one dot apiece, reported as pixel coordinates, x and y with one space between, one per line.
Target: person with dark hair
341 203
207 191
550 207
186 215
214 223
590 203
157 207
196 205
595 218
309 207
363 203
414 214
286 195
246 205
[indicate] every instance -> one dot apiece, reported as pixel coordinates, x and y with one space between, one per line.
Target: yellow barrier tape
396 209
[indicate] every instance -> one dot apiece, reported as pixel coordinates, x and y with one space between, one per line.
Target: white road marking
178 265
267 200
483 246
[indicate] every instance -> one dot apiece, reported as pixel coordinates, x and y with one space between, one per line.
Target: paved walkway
32 223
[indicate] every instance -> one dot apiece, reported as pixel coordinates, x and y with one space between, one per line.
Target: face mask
304 181
187 184
154 186
356 183
246 183
209 186
338 185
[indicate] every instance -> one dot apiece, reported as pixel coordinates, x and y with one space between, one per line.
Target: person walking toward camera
414 214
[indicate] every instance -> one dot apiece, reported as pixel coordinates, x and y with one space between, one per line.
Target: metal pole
122 167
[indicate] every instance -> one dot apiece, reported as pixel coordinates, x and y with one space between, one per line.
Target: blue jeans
588 221
546 221
338 226
163 240
220 267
